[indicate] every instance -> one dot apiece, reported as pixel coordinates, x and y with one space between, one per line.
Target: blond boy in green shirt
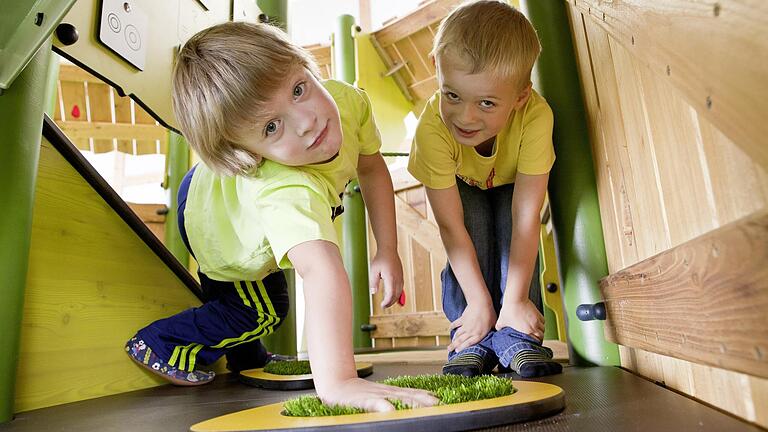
278 147
483 135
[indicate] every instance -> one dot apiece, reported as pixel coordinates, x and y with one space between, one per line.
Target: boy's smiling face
301 125
475 107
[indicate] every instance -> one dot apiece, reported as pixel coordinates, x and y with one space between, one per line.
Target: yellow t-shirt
523 145
241 228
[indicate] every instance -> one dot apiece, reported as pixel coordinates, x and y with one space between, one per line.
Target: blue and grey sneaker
146 358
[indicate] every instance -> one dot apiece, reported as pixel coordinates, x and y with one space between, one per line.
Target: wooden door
420 322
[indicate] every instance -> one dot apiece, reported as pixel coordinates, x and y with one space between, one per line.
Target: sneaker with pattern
146 358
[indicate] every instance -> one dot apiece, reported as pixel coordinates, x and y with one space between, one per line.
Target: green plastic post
283 340
354 235
178 165
21 121
572 186
276 10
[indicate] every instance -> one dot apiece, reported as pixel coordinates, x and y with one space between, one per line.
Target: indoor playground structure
653 250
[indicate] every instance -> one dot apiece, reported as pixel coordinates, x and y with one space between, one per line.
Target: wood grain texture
703 301
92 283
428 14
412 324
713 53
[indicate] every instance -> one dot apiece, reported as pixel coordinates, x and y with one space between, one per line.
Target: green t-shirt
241 228
523 145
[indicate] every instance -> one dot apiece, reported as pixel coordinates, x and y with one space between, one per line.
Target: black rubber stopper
589 312
67 33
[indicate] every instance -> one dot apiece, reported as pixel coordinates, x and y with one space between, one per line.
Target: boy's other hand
523 317
473 325
387 268
372 396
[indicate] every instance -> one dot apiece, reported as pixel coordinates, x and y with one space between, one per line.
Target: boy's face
301 125
475 107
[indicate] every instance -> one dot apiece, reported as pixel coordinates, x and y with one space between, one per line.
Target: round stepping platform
533 400
266 380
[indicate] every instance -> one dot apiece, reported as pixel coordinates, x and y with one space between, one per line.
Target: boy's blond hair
222 79
490 36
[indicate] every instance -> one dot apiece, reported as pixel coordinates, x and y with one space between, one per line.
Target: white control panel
124 29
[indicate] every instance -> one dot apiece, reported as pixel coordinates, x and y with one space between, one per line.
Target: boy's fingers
389 295
455 324
373 281
379 405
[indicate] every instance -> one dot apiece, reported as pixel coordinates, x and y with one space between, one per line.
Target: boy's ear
522 97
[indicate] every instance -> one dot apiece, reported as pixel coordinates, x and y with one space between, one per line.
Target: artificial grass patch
450 389
288 367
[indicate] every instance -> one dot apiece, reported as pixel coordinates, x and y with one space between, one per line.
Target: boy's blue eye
270 128
299 90
487 104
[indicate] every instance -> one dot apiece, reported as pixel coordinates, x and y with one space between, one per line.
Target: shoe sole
171 380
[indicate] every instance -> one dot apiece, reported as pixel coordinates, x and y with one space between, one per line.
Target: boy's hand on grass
523 317
387 268
372 396
473 325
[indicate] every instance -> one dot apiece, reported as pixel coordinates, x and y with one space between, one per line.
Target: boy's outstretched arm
376 185
517 310
479 317
329 333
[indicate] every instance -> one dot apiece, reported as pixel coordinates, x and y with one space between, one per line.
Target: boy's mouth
465 133
320 137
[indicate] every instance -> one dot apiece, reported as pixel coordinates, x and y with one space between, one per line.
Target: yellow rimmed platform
532 400
259 378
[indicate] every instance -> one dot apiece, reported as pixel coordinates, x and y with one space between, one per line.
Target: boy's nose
467 115
305 121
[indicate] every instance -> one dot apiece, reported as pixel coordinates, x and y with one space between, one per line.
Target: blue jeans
488 219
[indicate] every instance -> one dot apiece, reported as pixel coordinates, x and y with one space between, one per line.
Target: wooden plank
739 185
649 217
422 278
383 343
389 63
694 45
414 59
100 102
410 325
703 301
321 53
428 14
149 212
422 230
614 139
75 74
123 115
92 282
603 176
417 199
402 179
121 131
676 140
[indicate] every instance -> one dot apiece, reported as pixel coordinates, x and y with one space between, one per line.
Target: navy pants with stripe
235 315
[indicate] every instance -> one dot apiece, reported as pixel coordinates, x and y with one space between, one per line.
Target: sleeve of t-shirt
432 160
368 134
537 153
291 215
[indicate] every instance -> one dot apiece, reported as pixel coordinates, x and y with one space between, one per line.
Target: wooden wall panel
713 53
421 321
92 283
614 139
603 177
667 109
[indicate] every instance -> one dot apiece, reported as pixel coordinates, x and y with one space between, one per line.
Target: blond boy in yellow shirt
484 135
